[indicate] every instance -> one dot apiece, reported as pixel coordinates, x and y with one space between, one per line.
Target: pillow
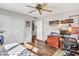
28 46
9 46
35 49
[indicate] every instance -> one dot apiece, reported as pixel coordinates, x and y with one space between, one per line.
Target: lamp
70 28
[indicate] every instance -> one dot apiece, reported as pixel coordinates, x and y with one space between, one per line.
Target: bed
15 49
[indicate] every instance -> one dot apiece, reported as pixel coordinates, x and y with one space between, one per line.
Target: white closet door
17 29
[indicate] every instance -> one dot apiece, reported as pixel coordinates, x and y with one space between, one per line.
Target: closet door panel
17 29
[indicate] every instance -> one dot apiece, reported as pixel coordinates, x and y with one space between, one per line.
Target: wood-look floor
45 49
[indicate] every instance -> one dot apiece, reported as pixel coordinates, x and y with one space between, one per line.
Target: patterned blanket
15 50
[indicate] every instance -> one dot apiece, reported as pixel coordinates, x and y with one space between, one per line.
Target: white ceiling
55 7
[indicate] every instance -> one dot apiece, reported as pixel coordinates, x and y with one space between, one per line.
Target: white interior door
40 30
28 32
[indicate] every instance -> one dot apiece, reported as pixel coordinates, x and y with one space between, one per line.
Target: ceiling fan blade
30 6
40 12
44 5
47 10
32 11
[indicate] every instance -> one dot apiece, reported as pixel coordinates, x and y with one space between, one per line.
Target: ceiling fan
39 8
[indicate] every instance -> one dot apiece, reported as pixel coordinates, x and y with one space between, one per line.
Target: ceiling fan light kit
39 8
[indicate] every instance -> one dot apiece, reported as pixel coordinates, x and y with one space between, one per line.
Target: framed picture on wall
56 22
67 21
27 23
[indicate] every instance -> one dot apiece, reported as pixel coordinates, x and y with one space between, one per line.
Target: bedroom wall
60 16
15 26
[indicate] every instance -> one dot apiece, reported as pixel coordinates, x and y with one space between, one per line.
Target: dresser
53 41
